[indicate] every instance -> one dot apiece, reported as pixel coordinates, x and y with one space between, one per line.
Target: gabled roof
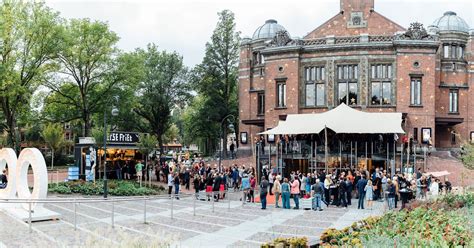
377 24
342 119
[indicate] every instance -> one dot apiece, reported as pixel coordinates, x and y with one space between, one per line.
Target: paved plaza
214 225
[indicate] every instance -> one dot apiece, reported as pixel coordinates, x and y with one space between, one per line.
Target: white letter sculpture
17 187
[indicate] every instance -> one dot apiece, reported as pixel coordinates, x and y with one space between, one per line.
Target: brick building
367 61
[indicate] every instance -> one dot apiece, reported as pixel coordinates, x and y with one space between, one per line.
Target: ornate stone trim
416 31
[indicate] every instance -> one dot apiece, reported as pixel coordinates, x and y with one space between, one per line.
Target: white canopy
342 119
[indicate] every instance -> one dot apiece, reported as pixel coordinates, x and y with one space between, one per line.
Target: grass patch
115 188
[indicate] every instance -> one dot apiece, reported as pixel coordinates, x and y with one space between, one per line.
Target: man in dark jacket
263 192
361 189
343 192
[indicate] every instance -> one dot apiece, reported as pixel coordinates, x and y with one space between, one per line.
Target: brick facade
359 36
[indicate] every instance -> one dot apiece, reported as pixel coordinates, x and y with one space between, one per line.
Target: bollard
194 205
113 213
172 207
29 217
144 211
213 200
75 214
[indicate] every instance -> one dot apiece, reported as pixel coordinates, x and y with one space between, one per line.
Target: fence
75 201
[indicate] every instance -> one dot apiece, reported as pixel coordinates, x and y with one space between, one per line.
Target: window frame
260 105
278 100
347 74
314 75
381 73
453 107
413 101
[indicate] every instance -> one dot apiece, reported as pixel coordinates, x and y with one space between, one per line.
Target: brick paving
218 224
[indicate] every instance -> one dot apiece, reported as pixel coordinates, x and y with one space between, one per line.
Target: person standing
253 184
245 186
327 185
316 193
277 190
170 184
285 194
263 192
369 191
196 184
138 169
343 192
271 180
176 185
361 191
295 191
391 194
187 178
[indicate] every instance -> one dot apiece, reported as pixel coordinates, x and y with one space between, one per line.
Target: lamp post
231 126
114 112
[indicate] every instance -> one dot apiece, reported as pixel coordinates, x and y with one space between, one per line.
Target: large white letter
8 157
33 157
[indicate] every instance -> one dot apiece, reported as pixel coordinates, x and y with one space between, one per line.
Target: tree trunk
86 132
52 158
160 144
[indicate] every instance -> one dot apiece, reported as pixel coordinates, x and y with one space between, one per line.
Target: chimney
357 5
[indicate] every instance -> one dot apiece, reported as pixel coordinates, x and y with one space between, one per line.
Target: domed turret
451 22
267 30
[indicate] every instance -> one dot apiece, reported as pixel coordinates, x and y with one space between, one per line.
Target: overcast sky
185 26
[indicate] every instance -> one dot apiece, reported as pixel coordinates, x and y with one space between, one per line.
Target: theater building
368 62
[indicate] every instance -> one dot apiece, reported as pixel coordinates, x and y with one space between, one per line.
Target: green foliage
147 143
29 39
90 71
53 136
439 223
287 243
467 155
116 188
164 87
215 80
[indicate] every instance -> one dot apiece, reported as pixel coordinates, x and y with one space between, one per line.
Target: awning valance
342 119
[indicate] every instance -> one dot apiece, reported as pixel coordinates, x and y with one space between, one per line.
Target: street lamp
114 112
231 127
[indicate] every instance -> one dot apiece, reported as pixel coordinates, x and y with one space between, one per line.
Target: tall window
315 86
261 103
453 101
446 51
281 94
415 133
453 51
347 84
381 82
415 91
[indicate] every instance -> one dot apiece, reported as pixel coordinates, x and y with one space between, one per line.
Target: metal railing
114 200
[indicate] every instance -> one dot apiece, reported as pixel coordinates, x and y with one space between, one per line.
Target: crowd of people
336 187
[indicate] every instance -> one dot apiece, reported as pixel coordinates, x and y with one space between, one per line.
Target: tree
171 134
147 145
90 69
29 39
53 136
467 155
216 76
163 87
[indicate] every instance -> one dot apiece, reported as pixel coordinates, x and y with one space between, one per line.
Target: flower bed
439 223
287 243
115 187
